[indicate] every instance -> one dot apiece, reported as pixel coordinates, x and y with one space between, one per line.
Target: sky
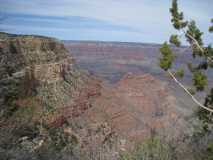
103 20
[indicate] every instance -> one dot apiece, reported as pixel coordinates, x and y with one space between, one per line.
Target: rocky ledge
40 91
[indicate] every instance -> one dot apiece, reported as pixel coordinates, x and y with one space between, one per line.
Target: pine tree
193 36
200 51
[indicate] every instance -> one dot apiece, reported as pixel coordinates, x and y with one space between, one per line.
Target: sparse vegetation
151 149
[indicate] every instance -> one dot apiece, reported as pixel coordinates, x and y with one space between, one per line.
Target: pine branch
187 91
197 44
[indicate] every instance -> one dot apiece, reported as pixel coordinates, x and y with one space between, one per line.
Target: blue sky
105 20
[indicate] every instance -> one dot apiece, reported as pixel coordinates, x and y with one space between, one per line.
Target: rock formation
41 95
39 66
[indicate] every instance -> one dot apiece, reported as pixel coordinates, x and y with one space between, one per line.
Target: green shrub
151 149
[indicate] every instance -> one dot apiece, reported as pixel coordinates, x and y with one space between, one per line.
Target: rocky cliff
41 67
41 95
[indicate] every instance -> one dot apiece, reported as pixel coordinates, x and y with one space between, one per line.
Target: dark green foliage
193 33
174 40
180 73
204 115
167 57
177 18
209 53
10 91
202 66
199 80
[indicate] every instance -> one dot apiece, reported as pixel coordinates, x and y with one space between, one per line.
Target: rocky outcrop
40 66
40 91
20 52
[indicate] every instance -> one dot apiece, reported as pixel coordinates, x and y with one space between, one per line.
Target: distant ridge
4 35
118 43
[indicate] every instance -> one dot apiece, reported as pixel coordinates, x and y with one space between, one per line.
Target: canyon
93 99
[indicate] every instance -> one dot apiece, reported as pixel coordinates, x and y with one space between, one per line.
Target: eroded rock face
138 106
41 92
20 52
40 69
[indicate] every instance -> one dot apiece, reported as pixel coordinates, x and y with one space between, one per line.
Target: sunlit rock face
40 68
